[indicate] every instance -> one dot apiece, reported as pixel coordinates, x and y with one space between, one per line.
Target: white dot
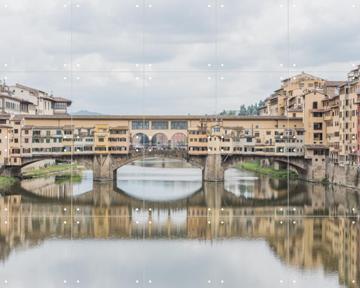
137 5
5 77
137 78
5 281
293 281
150 281
222 209
209 78
65 209
6 222
209 281
294 5
209 65
65 5
222 65
65 77
222 6
6 6
150 78
150 222
5 65
222 281
137 281
222 78
149 209
294 65
209 209
77 222
281 281
77 209
137 222
65 281
209 6
209 222
64 222
137 209
281 222
222 222
77 5
149 5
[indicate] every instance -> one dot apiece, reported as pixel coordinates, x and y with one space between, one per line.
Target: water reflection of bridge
329 242
211 195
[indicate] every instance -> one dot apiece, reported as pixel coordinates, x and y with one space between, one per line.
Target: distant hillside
85 112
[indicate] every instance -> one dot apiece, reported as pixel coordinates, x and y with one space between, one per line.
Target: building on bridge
307 116
26 137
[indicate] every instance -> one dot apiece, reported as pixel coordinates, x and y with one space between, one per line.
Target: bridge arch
140 140
178 140
298 166
159 140
117 163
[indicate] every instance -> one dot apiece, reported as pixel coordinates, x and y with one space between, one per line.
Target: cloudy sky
173 56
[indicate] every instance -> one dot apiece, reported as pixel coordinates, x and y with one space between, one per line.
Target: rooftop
155 117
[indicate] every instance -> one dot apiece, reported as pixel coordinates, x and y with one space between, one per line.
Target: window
179 125
317 126
315 105
216 129
159 124
140 124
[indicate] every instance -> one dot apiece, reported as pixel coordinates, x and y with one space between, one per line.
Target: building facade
307 116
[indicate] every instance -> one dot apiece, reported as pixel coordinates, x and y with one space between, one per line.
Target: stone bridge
213 166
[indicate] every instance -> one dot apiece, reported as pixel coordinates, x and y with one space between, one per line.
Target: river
158 225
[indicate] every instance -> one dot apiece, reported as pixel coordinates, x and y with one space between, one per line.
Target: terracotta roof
334 83
60 99
316 146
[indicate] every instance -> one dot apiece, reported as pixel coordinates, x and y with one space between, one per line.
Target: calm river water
159 226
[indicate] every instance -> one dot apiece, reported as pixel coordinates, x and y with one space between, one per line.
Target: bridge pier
213 170
102 168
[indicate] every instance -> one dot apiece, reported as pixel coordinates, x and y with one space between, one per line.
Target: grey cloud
111 35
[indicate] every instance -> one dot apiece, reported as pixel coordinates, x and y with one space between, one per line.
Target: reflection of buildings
304 242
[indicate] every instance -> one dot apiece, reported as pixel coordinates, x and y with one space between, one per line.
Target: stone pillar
102 168
213 171
101 193
276 165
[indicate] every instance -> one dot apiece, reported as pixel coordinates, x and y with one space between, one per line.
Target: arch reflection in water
148 180
54 187
247 234
313 250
